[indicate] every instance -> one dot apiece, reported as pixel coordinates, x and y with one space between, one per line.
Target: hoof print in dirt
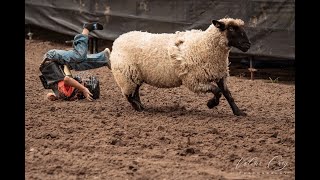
118 142
160 128
233 157
252 149
165 140
213 131
157 156
133 168
50 135
187 151
240 113
275 135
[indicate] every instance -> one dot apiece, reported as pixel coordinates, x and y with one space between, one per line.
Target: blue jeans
78 58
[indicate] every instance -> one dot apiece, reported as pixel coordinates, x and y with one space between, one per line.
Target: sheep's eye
231 28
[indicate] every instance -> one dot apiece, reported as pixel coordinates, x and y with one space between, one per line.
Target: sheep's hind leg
226 93
216 98
134 100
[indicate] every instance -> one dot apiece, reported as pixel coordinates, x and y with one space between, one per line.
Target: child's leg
80 45
71 57
77 58
94 61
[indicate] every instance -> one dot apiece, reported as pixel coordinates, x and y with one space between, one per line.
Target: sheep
194 58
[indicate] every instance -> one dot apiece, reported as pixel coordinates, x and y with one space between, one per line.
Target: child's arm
72 82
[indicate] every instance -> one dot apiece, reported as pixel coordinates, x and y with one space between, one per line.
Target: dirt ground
176 137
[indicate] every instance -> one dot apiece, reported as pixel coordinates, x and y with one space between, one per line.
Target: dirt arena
176 137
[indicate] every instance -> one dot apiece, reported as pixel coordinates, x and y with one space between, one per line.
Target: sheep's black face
238 38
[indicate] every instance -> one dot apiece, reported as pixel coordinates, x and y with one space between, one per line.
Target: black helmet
78 78
92 83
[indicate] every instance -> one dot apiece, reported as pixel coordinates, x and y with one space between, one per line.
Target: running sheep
192 58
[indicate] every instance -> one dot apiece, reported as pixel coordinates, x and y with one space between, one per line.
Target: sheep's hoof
212 103
136 104
138 107
240 113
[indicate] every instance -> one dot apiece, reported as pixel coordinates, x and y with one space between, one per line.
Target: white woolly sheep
192 58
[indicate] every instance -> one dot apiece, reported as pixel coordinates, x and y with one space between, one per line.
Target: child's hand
87 94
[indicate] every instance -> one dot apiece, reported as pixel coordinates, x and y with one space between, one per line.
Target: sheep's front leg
225 91
216 98
206 88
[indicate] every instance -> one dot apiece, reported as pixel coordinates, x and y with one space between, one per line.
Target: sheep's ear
219 25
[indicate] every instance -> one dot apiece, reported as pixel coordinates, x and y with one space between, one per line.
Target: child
78 59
